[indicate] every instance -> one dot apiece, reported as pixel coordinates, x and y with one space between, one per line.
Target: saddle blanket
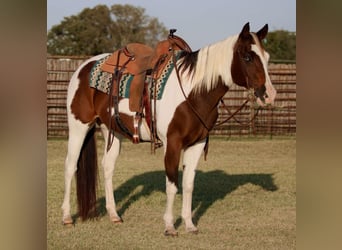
102 80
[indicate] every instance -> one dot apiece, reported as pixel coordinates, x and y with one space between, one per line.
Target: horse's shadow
209 187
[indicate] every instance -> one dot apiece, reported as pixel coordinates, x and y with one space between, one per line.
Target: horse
185 114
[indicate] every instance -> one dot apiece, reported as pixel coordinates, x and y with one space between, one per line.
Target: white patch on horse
264 57
144 131
172 97
124 107
171 191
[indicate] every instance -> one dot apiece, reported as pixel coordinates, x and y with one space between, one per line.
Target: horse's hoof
170 232
67 221
192 230
116 220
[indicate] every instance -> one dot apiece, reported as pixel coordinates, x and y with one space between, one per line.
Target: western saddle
139 60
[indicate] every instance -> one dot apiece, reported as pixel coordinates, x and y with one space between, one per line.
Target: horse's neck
205 103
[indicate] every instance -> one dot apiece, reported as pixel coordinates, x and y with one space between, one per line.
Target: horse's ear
262 32
245 31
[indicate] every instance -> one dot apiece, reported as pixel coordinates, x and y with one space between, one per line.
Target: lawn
244 198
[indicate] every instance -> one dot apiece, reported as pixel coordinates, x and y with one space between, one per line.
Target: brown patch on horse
102 115
89 104
185 128
247 68
82 104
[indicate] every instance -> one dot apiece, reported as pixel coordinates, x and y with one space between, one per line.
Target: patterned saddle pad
102 80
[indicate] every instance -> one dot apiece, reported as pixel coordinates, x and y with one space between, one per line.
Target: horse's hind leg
191 157
108 164
77 133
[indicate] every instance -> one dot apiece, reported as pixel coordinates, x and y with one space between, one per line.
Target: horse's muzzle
265 97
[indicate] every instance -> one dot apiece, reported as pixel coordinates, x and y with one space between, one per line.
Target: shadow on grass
209 187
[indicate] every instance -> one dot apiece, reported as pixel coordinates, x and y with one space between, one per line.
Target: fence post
251 115
270 124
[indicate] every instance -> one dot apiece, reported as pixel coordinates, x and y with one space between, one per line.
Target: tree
281 45
100 29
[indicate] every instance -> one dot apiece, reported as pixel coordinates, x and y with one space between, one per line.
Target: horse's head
249 65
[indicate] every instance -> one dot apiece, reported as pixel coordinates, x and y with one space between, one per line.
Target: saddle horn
172 31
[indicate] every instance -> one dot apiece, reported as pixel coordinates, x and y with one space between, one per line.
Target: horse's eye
247 58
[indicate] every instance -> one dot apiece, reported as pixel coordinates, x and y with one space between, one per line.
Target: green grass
244 198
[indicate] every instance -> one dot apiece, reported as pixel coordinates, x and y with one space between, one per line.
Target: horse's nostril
266 96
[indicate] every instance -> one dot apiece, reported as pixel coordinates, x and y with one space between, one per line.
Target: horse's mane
213 62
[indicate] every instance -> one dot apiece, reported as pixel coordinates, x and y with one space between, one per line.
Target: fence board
281 121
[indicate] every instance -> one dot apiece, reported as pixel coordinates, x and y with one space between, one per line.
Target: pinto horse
186 112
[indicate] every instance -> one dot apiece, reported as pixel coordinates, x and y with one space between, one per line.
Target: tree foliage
102 29
281 45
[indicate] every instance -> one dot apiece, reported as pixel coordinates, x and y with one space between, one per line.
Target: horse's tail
86 177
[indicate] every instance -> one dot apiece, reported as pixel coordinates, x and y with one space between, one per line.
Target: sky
199 22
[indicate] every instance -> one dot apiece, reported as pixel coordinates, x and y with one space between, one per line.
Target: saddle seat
134 59
139 54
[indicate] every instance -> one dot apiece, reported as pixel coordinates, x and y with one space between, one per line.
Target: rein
232 115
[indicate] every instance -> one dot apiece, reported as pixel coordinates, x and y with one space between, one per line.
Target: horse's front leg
171 161
108 164
190 161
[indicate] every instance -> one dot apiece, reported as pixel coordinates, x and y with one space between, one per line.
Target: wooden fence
278 121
